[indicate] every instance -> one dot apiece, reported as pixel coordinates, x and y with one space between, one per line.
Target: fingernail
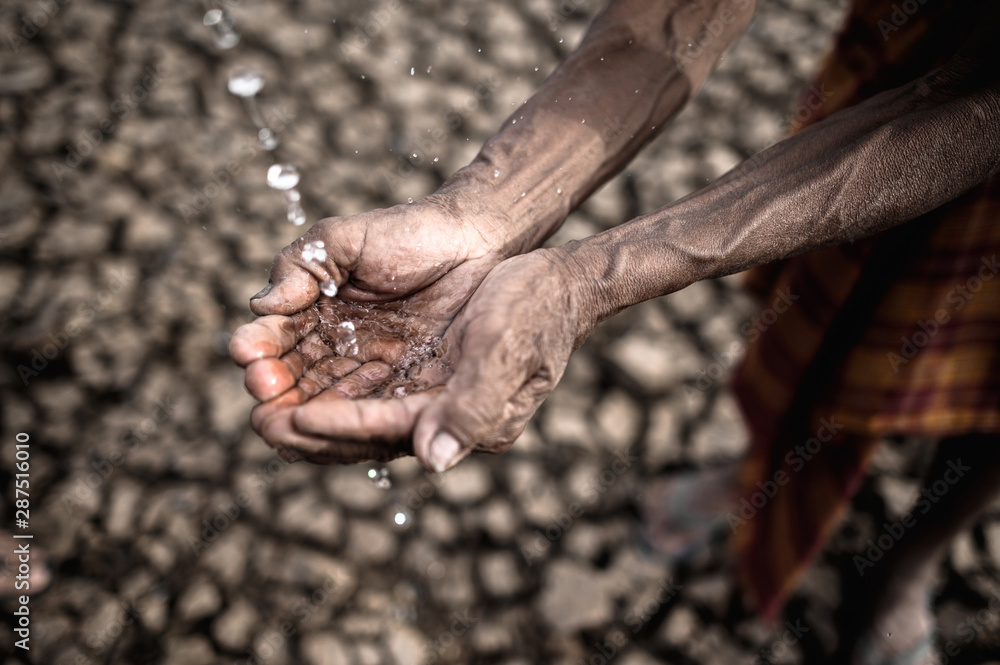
263 292
444 451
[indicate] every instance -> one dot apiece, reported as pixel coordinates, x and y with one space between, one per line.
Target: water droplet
888 634
379 475
558 190
435 160
314 252
496 173
411 71
583 122
282 176
245 82
226 36
296 215
346 340
513 122
429 68
328 287
268 141
522 194
401 516
409 200
536 69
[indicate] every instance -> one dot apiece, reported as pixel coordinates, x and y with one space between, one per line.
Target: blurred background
135 223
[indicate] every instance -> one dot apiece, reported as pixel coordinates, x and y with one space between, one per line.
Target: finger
269 377
313 347
270 336
286 401
280 432
373 346
325 373
290 288
384 420
363 381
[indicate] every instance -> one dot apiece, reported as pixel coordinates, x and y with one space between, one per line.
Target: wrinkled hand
403 274
505 352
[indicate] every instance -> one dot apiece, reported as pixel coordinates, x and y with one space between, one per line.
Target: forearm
632 72
885 162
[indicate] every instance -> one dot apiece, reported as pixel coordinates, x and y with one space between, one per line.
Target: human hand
502 356
403 274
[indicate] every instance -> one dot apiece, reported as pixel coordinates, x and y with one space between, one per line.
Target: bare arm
639 63
882 163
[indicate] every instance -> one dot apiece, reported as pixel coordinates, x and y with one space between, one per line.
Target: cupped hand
403 274
501 357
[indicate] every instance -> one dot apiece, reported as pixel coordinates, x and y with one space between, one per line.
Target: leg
684 511
962 480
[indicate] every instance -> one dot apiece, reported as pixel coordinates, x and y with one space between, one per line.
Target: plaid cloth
898 334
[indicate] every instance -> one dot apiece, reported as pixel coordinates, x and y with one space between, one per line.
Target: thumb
484 406
290 289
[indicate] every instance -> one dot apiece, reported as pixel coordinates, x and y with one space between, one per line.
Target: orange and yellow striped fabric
898 334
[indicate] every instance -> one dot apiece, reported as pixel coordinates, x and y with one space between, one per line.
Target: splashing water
328 287
314 252
245 83
379 475
284 177
346 342
267 138
226 36
402 518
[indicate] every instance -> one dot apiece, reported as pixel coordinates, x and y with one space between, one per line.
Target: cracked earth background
316 548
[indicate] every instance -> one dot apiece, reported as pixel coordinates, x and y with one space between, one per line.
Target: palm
406 280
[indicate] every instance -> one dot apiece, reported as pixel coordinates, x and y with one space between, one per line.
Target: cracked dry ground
176 536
